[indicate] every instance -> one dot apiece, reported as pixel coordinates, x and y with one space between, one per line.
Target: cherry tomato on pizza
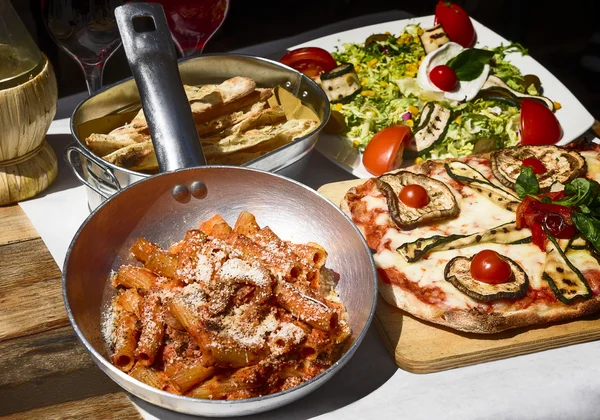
414 195
538 124
489 267
535 164
384 151
311 61
456 23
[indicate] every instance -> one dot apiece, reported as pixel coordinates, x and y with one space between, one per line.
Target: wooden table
44 371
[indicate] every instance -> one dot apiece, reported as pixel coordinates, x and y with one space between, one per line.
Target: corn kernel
364 82
338 107
458 119
356 143
412 68
384 83
409 74
367 93
420 31
416 39
356 69
413 110
410 123
557 106
371 63
418 160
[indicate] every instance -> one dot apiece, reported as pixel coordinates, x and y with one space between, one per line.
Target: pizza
487 242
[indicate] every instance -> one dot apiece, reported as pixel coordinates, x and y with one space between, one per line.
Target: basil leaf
581 192
589 227
527 183
468 65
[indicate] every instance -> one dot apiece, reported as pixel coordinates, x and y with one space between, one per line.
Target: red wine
192 22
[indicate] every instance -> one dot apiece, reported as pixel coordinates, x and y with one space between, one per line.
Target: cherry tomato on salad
311 61
384 151
414 195
444 77
535 164
455 22
489 267
538 124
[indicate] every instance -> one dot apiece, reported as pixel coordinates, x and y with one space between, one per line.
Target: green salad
387 67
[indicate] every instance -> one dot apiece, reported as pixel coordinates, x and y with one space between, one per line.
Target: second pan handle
153 61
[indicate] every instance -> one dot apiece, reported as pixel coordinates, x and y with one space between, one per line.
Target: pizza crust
475 321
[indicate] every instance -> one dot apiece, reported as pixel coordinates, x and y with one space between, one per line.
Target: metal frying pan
163 207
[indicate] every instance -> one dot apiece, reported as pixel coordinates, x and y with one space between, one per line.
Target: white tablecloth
555 384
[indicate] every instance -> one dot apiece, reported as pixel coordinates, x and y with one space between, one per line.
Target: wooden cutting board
423 347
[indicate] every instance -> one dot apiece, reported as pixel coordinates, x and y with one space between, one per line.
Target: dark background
564 37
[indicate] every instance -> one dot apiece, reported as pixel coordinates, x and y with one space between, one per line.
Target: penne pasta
216 226
148 375
223 385
246 224
152 331
311 252
226 313
141 249
278 265
126 337
190 375
162 263
134 277
130 301
308 308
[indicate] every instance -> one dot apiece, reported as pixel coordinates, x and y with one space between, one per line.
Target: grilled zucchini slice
506 233
467 175
431 128
565 280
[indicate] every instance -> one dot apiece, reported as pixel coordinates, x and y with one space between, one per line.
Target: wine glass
193 22
87 31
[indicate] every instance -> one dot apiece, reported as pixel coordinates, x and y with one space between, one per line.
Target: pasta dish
226 313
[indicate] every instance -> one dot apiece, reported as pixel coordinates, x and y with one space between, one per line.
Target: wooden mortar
27 162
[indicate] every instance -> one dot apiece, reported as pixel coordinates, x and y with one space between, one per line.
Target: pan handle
69 156
153 61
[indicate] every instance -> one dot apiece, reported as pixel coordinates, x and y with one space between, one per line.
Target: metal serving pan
162 207
104 179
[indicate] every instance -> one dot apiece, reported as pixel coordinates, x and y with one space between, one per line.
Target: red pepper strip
536 215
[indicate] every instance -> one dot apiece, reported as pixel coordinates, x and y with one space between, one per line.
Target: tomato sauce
430 295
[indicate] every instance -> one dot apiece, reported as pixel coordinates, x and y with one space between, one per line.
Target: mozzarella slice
465 90
436 58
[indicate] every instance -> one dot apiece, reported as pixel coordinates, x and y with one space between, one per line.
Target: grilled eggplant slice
442 204
434 38
565 280
506 233
341 82
562 165
458 272
433 124
466 174
495 88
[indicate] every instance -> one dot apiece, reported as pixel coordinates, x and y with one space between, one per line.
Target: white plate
573 117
